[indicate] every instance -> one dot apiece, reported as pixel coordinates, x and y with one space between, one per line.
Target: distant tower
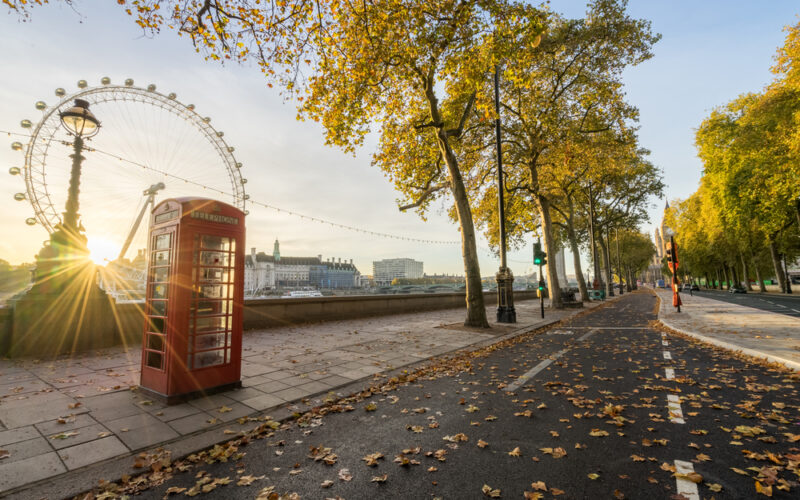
276 251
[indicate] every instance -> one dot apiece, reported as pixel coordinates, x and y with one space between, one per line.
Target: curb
72 483
792 365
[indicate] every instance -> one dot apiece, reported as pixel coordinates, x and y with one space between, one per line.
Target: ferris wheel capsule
41 105
207 119
247 212
60 92
190 107
14 170
238 164
19 196
129 82
25 124
220 133
105 80
231 149
30 221
172 95
82 84
151 88
16 146
244 181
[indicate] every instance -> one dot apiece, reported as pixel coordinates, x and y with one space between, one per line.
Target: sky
710 52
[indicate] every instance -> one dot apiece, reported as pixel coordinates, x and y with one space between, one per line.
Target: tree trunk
476 310
554 288
735 272
576 260
761 286
606 264
746 273
576 254
708 282
631 284
776 263
719 281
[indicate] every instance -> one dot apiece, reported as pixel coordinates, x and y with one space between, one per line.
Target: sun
102 251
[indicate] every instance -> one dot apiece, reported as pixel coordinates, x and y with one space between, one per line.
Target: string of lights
311 218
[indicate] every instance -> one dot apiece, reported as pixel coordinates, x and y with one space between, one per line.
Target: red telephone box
192 343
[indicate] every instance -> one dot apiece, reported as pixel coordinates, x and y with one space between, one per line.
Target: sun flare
102 251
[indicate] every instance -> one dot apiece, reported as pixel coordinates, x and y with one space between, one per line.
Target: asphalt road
592 423
782 304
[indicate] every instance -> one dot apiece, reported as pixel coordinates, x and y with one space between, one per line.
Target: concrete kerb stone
793 365
79 480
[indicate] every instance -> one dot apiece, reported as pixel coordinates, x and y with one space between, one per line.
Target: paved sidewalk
83 418
756 332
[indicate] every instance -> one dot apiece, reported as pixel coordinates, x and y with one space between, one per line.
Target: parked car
737 289
689 287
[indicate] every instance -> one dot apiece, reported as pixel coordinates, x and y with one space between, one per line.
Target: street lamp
80 123
619 269
505 280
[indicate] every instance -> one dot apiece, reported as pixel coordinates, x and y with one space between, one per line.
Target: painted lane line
667 355
674 407
780 306
795 310
664 343
670 373
533 371
541 366
685 487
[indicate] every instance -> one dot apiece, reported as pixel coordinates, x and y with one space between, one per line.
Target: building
386 270
267 272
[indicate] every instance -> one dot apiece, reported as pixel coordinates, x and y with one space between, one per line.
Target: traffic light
541 285
537 254
669 254
543 258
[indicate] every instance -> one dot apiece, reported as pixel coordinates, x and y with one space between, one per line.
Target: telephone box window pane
214 259
209 358
156 325
210 307
161 258
214 275
159 291
160 274
154 359
216 243
212 341
158 308
210 324
155 342
163 241
213 291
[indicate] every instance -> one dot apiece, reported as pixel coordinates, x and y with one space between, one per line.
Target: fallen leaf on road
598 433
380 479
764 490
515 452
248 480
372 458
555 492
326 483
527 495
637 458
539 485
690 476
716 488
344 475
371 406
174 490
593 476
489 492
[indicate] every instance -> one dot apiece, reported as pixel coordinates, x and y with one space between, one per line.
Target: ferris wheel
147 139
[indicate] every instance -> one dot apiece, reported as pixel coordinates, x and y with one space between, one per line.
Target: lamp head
79 121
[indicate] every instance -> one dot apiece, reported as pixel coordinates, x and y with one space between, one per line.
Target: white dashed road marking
541 366
670 373
667 355
685 487
675 412
664 343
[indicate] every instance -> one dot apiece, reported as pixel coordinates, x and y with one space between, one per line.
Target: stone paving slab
94 394
755 332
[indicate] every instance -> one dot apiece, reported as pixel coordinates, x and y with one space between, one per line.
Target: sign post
673 267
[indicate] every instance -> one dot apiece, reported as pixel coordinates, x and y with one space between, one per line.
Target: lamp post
63 257
505 280
80 123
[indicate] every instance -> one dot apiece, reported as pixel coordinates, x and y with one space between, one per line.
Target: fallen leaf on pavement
515 452
380 479
482 443
344 475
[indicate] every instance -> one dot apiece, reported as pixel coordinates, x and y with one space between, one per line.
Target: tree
568 87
